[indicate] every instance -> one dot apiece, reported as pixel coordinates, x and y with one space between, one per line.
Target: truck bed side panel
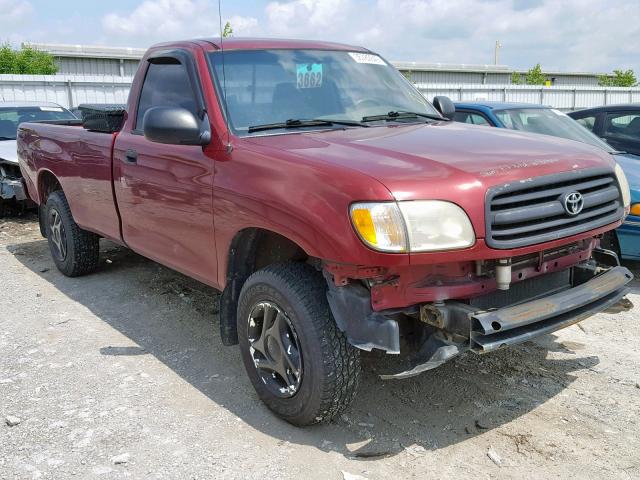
81 161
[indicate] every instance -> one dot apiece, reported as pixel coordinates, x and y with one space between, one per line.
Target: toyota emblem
573 203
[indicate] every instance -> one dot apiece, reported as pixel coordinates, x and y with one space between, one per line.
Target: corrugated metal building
466 74
93 60
120 61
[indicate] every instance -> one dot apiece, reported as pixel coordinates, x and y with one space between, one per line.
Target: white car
13 114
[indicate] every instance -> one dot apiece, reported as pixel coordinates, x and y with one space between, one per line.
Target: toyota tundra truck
335 208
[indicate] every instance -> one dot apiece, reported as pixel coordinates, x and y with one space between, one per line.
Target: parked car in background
13 114
619 125
625 241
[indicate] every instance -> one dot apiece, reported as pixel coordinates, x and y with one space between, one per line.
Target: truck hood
443 160
9 151
440 161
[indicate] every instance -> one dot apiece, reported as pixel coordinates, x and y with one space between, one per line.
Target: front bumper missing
491 330
511 325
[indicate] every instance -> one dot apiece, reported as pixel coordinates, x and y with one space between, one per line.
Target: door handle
131 156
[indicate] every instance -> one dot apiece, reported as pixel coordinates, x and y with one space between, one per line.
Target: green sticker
309 75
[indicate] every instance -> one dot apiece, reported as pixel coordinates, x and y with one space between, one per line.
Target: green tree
620 78
535 76
26 61
228 31
516 79
7 59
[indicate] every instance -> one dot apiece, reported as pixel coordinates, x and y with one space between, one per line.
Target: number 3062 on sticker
308 75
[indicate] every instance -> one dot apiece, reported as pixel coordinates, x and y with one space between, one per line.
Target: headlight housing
412 226
624 187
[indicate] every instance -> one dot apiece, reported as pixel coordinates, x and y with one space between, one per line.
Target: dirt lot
121 374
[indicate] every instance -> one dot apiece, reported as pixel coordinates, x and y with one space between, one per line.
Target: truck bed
73 153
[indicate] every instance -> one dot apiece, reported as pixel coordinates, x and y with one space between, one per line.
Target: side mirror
445 106
175 126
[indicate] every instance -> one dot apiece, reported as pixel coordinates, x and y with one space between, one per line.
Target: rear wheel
300 364
75 251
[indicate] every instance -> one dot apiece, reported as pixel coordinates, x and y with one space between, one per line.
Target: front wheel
300 364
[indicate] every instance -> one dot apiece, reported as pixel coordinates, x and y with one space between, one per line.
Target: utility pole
496 52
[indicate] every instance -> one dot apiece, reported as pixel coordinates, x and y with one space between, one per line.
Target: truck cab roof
256 43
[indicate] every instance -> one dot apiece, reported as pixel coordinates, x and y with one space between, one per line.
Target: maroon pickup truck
337 211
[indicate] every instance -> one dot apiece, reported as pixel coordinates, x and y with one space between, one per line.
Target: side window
624 124
468 117
587 122
506 119
477 119
165 85
461 116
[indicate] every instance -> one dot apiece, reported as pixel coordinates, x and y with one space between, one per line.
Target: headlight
380 226
415 226
624 187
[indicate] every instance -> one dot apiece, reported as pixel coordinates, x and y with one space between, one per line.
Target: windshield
548 121
272 86
11 117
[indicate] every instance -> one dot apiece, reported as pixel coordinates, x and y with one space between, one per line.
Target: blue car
548 121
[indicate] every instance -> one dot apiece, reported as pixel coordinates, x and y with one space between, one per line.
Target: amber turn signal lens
364 224
380 225
635 209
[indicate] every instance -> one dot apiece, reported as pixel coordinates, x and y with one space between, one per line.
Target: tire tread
86 245
341 361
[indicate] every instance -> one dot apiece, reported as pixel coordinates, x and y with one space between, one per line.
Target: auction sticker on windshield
309 75
366 58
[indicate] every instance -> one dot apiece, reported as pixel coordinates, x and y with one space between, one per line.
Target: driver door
164 192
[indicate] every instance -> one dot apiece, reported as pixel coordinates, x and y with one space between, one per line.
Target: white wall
564 97
71 90
66 90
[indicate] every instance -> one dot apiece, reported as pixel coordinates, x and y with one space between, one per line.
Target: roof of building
451 67
90 51
497 105
27 103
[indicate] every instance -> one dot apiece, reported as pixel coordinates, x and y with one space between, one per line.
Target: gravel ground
121 374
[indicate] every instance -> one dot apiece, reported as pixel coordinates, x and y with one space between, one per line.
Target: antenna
224 81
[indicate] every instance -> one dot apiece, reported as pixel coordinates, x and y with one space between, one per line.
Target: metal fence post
69 94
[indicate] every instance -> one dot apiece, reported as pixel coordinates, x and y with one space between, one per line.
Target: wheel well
251 250
47 183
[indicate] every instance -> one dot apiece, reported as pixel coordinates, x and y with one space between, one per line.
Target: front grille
535 211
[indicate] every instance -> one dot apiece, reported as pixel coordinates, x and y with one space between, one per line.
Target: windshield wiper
299 123
7 138
401 114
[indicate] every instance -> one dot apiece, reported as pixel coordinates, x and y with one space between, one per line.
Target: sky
565 35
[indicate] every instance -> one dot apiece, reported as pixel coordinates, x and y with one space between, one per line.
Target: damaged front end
528 296
12 188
